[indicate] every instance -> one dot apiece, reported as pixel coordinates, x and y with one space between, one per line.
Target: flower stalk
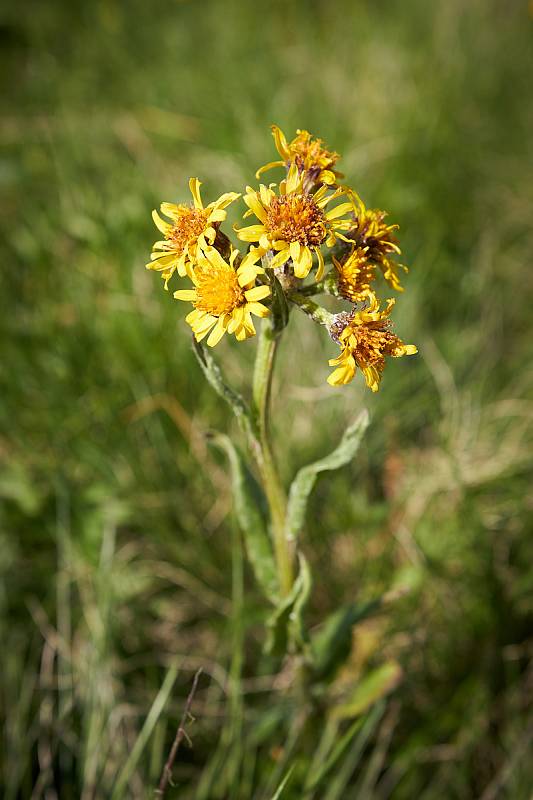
312 309
262 390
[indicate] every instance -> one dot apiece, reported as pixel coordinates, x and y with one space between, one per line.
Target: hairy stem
312 309
277 500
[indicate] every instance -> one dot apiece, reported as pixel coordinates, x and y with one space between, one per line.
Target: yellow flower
192 228
365 339
225 295
294 223
309 155
354 274
372 232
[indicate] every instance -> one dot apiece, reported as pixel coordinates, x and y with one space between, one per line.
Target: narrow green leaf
331 645
372 688
249 509
283 784
298 631
305 479
155 712
336 786
235 401
280 624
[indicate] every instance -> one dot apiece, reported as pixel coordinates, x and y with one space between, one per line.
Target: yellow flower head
354 274
310 156
365 338
294 223
225 295
192 228
372 232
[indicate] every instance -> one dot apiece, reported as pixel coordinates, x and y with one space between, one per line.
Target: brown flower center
371 342
218 290
309 153
191 223
373 232
296 218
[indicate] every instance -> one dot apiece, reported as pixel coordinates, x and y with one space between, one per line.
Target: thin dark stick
181 734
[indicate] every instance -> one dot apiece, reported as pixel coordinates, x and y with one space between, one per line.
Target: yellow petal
209 235
295 250
280 258
266 194
303 266
253 203
339 211
163 226
257 293
258 309
237 316
214 258
250 234
372 377
217 215
270 165
194 186
320 270
339 377
189 295
251 257
328 177
163 262
280 141
246 274
242 333
293 179
225 199
172 210
218 332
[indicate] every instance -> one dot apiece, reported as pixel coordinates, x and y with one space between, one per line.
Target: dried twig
181 734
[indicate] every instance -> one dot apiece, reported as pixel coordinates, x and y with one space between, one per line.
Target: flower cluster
308 218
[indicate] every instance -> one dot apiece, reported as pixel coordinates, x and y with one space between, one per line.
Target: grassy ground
120 565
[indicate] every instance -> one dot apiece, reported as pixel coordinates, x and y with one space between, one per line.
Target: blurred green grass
116 554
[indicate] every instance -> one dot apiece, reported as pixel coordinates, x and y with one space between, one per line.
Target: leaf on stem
305 479
331 645
377 684
250 503
236 402
286 625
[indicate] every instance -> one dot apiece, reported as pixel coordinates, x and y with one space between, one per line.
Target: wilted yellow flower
372 232
192 228
365 339
294 223
354 274
309 155
225 295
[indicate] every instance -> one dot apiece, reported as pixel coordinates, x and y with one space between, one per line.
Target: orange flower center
186 230
371 342
296 218
376 234
218 290
309 153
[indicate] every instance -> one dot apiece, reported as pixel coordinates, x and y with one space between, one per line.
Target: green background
116 549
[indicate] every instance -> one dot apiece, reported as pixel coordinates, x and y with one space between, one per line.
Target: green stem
277 500
328 285
311 289
312 309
